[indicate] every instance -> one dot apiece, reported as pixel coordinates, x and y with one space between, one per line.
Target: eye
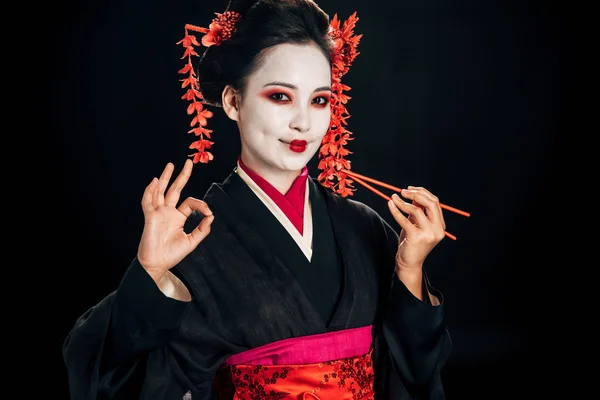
321 100
279 97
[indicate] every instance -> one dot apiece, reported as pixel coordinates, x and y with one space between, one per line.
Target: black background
463 97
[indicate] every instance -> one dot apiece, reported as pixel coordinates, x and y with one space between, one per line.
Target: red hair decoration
333 153
220 29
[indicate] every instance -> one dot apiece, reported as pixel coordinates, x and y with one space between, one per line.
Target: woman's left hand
422 228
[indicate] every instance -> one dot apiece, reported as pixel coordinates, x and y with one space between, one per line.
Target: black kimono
251 285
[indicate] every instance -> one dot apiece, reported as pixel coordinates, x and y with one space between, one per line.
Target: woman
271 286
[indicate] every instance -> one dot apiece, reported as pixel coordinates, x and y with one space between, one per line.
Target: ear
229 100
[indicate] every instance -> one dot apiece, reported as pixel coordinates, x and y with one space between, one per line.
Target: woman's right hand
164 243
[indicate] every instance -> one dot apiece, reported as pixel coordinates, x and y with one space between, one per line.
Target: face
284 111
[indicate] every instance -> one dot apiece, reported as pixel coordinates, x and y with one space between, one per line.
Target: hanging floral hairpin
333 152
220 29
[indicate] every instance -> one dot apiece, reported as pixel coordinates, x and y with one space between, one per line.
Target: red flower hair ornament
333 152
336 169
220 29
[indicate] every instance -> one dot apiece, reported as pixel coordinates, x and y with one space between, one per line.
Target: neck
281 180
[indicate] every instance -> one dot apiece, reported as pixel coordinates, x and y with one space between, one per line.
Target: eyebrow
289 85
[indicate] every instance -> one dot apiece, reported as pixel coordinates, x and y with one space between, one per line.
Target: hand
164 243
422 229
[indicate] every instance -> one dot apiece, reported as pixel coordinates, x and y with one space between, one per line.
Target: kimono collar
290 203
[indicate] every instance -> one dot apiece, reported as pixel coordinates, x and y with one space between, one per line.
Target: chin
294 165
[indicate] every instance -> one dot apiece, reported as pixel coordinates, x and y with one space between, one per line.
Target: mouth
298 143
297 146
295 142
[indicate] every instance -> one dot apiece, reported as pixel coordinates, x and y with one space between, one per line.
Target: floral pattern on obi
344 379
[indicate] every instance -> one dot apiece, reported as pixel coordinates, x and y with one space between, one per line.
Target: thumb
202 230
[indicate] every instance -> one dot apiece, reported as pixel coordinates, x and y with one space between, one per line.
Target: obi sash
267 373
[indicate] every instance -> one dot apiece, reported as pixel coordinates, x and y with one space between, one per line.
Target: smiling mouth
297 146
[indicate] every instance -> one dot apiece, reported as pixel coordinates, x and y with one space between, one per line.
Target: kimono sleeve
105 351
415 341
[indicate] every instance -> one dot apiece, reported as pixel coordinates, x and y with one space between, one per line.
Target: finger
163 182
202 230
415 212
424 191
433 211
431 196
412 218
179 183
148 195
192 204
400 218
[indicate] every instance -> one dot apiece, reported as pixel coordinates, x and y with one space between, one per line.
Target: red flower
221 28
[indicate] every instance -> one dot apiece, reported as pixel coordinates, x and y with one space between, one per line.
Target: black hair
264 24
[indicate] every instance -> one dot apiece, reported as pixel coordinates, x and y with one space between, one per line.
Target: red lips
297 142
298 146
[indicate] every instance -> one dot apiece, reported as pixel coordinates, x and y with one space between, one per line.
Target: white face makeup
285 101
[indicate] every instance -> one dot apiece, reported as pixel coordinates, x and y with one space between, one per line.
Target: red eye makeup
277 95
322 99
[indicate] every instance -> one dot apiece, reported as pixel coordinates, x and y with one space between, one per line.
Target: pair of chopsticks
361 179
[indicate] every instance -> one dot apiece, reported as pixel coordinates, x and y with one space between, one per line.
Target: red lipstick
298 146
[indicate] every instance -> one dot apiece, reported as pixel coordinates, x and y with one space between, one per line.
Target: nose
301 119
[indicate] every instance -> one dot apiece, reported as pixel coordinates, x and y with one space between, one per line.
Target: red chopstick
361 179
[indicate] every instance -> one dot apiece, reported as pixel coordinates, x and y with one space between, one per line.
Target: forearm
171 286
415 330
145 312
414 282
102 350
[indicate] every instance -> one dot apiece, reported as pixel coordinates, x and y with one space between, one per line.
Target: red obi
347 378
